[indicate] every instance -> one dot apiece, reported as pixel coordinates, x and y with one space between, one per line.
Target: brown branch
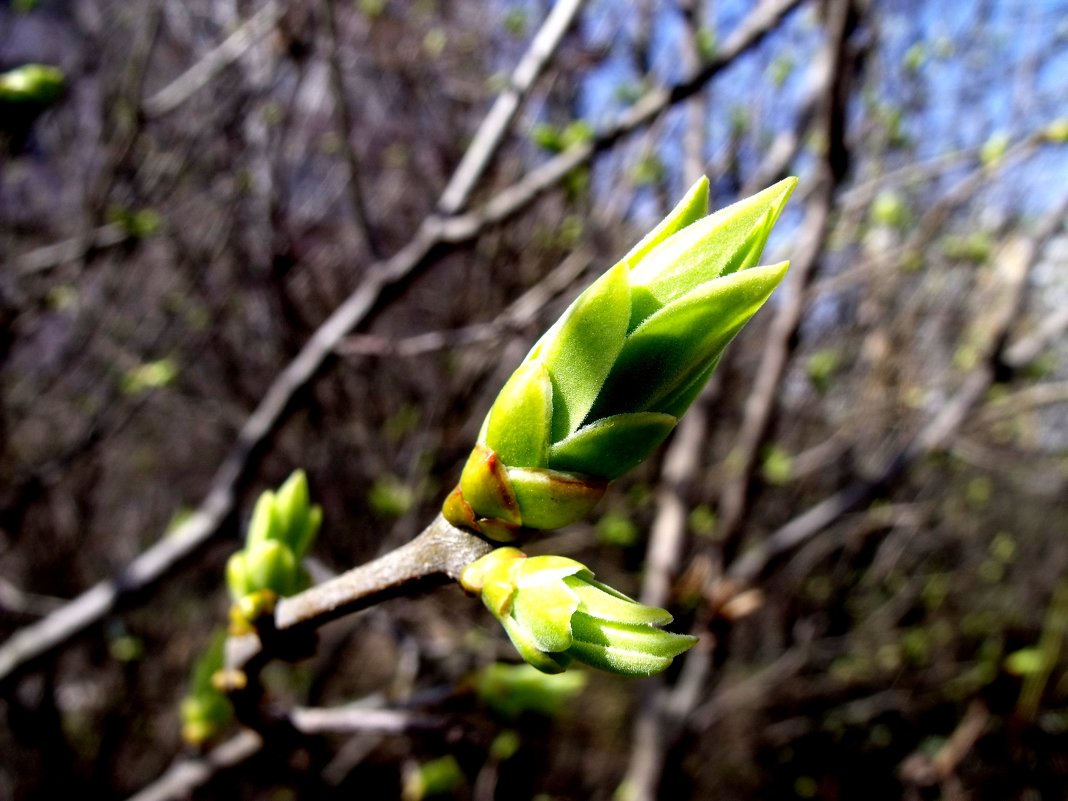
436 556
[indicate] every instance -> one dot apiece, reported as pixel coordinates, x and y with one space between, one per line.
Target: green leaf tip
607 383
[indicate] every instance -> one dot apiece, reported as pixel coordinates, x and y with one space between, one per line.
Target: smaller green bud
31 83
512 690
205 711
1057 131
554 611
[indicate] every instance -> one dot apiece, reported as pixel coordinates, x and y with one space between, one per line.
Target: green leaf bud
31 83
205 711
555 611
512 690
607 383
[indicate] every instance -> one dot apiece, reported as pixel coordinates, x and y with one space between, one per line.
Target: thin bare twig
187 774
488 137
519 314
200 74
343 116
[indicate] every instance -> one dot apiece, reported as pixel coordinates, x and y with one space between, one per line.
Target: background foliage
865 521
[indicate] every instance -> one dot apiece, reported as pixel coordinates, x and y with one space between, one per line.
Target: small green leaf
629 637
601 601
237 580
271 566
519 423
302 541
609 447
550 499
538 570
487 488
1026 662
618 660
679 401
580 349
511 690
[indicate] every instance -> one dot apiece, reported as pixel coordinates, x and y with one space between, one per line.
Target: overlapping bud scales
608 382
554 611
282 528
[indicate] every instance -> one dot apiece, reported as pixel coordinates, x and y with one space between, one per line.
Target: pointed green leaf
303 540
617 660
675 346
609 447
629 637
518 425
545 610
549 499
725 242
580 349
689 210
292 502
612 605
264 524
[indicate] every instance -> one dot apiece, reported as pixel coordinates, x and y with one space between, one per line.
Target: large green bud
609 381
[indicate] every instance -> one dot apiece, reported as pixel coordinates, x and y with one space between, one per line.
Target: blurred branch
1022 400
353 719
490 133
835 68
663 707
48 257
520 313
39 639
189 773
925 771
174 94
1015 261
343 116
